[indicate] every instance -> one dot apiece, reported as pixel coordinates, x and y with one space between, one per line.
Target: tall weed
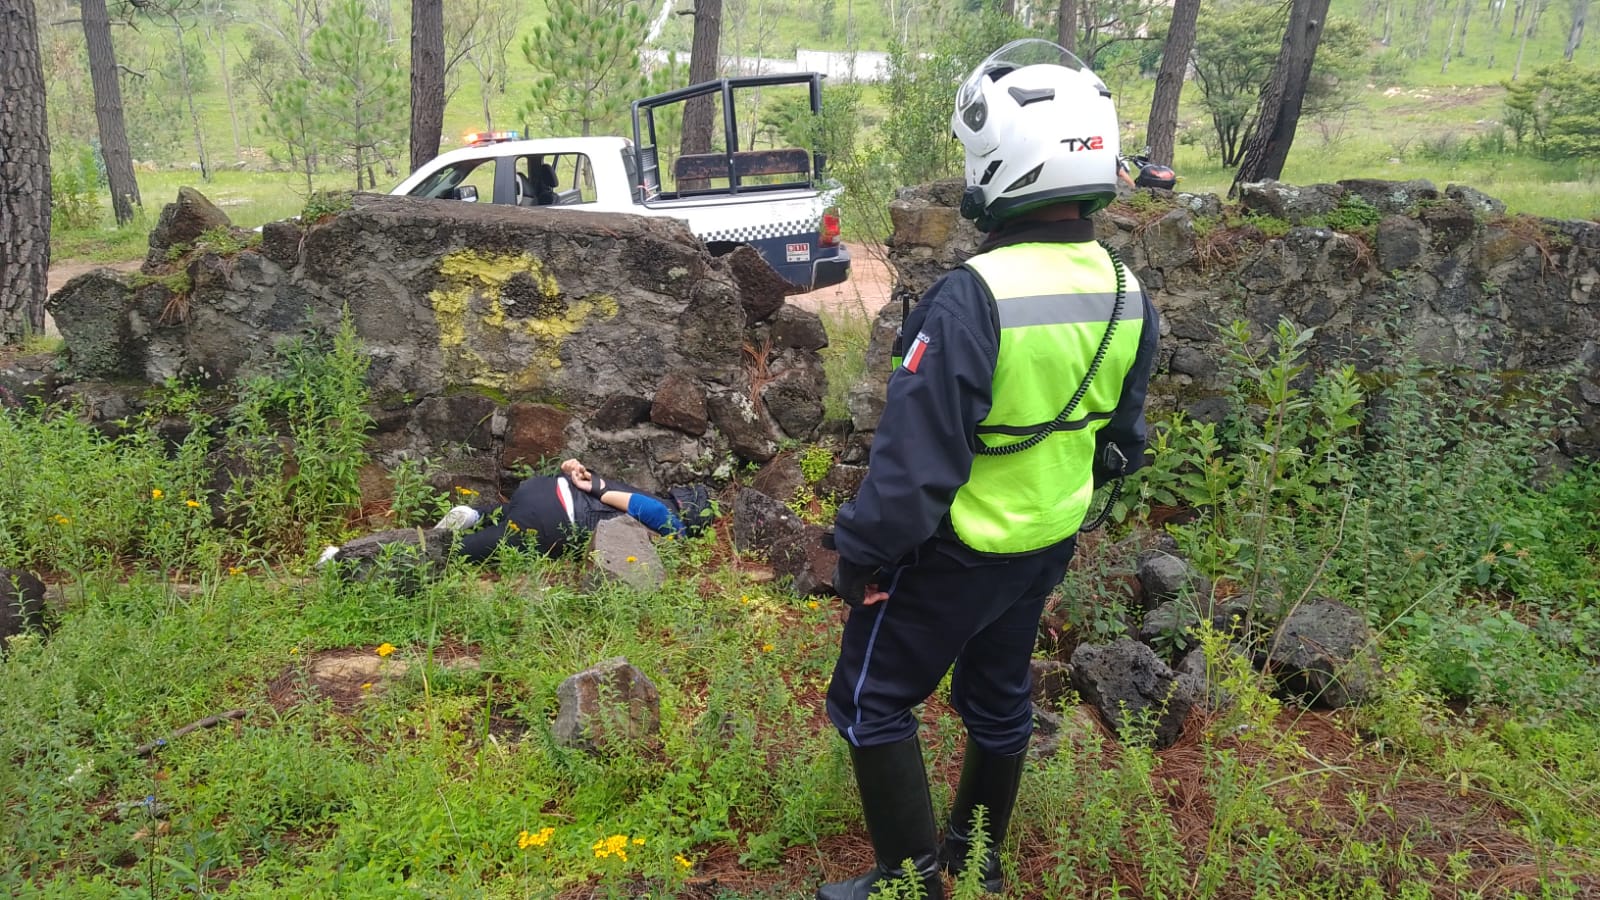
298 438
73 499
1419 496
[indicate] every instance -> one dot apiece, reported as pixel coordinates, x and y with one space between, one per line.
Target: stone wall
1467 286
497 336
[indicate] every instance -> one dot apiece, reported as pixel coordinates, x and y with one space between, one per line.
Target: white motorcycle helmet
1038 128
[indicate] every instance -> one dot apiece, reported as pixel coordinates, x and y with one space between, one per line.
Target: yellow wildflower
615 845
512 526
633 559
535 839
678 857
155 493
293 650
811 604
638 842
192 504
236 570
366 685
385 648
766 648
744 599
466 492
62 520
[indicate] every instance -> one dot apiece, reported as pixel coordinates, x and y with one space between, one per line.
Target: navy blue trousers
983 619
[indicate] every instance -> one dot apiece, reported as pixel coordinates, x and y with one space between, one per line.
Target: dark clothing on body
949 603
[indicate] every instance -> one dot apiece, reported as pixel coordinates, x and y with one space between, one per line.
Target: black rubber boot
899 813
991 781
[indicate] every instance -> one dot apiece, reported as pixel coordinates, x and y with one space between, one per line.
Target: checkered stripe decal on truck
764 230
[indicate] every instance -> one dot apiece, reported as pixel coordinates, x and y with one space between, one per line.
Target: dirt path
866 290
62 273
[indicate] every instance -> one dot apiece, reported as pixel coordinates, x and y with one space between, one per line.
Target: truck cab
773 200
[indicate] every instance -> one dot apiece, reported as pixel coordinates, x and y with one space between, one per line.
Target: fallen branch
207 722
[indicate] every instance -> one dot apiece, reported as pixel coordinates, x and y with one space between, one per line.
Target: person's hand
583 479
857 585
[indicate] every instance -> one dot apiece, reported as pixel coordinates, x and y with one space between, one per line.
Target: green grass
416 773
845 358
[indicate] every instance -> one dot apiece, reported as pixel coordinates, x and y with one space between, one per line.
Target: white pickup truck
773 200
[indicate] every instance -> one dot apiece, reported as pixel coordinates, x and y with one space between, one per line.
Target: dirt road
65 272
867 289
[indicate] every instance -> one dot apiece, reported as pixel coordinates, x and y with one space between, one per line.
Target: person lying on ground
558 511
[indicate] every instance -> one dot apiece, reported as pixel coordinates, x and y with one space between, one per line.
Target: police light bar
491 137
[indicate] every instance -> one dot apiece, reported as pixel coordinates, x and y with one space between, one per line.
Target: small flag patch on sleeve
914 356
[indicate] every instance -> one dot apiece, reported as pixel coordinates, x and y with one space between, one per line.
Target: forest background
260 104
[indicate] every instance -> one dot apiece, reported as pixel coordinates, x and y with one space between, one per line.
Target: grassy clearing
396 742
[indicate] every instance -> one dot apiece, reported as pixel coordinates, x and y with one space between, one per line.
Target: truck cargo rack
737 167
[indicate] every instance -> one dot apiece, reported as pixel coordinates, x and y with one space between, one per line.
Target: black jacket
925 443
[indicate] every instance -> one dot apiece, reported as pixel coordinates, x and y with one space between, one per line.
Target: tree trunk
25 167
1450 41
188 96
1268 148
1580 15
1535 9
219 38
427 80
1067 25
485 85
108 111
1163 126
697 113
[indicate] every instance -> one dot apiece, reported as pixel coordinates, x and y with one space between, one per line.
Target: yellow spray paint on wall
506 305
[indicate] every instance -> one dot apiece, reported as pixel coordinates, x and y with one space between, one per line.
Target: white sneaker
328 553
459 518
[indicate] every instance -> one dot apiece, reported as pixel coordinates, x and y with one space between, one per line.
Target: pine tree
587 54
1281 102
1175 55
359 96
427 80
108 111
291 119
25 150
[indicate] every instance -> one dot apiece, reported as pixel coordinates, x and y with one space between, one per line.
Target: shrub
75 181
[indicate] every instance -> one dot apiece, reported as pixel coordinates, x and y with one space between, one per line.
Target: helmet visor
1029 52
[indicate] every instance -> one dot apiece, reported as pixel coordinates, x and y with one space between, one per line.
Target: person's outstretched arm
650 511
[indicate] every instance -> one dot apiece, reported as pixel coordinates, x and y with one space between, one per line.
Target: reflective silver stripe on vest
1067 309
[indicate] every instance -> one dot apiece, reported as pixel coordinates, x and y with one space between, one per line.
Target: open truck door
802 244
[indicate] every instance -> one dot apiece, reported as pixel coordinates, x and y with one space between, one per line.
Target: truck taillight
830 228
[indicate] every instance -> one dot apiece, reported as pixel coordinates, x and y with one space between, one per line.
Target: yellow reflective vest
1054 302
